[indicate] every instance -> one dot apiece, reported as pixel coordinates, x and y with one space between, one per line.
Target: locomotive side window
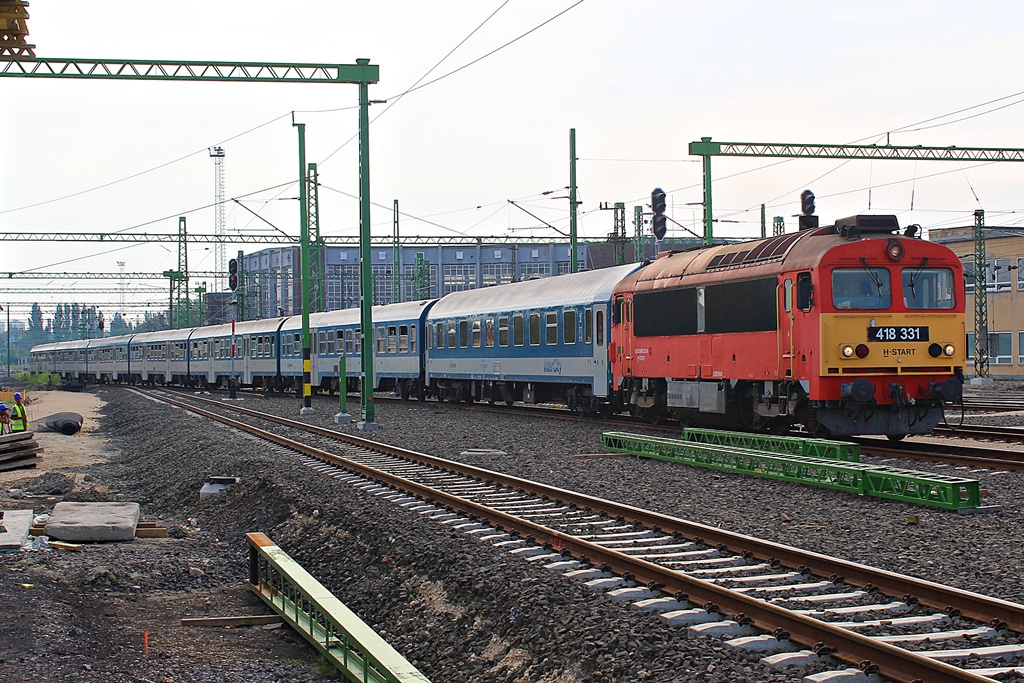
928 288
787 294
700 309
569 326
861 288
617 311
803 291
629 311
503 330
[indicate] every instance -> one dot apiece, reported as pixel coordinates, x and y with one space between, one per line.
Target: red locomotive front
846 329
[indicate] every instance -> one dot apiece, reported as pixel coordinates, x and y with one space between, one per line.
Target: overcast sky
638 81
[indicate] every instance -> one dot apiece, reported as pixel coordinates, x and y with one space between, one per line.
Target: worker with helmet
5 419
19 418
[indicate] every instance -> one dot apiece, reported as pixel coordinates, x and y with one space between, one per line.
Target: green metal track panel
787 445
908 486
139 69
332 628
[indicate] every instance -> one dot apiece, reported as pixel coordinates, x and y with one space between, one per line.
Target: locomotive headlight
847 351
894 250
949 349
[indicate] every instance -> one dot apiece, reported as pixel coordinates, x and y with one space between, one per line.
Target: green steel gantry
316 243
362 73
707 149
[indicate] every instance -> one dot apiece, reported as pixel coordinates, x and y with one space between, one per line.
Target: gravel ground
455 607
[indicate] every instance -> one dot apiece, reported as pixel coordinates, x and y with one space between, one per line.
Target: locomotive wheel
895 437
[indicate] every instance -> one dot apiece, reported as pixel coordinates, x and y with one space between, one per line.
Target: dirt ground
84 448
60 621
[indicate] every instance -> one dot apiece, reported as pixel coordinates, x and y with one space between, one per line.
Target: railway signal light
807 202
233 274
659 221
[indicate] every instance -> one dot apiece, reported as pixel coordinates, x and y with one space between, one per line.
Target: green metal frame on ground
786 445
908 486
332 628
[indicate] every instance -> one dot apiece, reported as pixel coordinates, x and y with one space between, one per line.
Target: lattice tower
14 32
219 218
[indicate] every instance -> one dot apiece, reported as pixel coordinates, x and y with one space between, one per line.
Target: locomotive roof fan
855 226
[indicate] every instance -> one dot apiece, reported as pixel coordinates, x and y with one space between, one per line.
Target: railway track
762 595
994 403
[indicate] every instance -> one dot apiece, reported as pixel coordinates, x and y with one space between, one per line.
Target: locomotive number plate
897 333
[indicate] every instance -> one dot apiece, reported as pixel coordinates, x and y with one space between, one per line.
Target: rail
331 627
908 486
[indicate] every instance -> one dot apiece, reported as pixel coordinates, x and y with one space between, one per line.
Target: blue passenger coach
537 341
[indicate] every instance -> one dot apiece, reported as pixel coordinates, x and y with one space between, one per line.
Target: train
856 328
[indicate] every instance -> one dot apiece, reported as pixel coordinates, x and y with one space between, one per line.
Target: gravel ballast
455 607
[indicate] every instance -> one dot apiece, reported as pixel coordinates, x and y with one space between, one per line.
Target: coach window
600 328
252 347
382 340
331 345
403 338
588 326
451 335
322 343
476 334
535 329
440 336
430 335
569 327
464 334
700 309
489 332
551 328
412 339
339 342
518 333
358 338
392 339
503 330
787 294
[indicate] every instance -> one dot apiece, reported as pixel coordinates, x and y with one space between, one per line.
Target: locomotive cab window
803 291
928 288
861 288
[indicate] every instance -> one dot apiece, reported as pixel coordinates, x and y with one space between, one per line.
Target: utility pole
638 235
981 346
366 409
307 389
396 273
573 204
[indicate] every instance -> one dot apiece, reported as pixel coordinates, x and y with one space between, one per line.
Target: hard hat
17 394
3 406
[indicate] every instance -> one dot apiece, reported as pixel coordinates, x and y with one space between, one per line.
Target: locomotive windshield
928 288
861 288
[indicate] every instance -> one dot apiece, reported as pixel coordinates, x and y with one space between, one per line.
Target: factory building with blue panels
271 278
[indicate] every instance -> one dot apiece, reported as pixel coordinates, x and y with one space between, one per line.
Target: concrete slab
785 660
631 594
14 528
763 643
842 676
659 605
685 617
718 628
93 521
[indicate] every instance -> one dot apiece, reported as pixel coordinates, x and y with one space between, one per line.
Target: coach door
786 313
601 332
